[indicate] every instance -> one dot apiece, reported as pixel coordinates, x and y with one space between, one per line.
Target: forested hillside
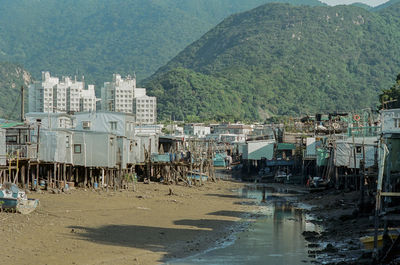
100 37
283 59
12 77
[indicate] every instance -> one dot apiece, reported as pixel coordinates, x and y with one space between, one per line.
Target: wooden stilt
86 178
102 178
76 175
37 176
64 174
23 176
91 177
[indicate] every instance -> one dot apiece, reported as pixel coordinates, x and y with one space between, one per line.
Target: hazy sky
346 2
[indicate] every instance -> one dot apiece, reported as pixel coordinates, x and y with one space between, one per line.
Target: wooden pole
23 175
86 178
37 175
28 175
70 173
65 174
77 175
102 177
54 173
91 177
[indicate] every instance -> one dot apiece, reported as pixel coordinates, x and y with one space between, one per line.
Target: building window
67 141
77 148
113 125
86 125
11 139
397 123
358 149
131 146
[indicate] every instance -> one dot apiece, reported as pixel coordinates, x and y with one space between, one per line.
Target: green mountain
100 37
282 59
12 77
362 5
385 5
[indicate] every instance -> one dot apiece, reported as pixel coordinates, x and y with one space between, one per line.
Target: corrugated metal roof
11 124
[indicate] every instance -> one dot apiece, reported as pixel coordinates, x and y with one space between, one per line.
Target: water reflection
274 238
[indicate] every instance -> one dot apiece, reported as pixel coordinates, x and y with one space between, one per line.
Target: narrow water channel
275 237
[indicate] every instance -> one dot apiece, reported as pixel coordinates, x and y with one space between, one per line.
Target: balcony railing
22 151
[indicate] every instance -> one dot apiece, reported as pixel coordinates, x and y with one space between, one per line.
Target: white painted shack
390 121
94 149
121 125
127 152
56 146
19 140
51 120
118 123
145 143
345 151
259 149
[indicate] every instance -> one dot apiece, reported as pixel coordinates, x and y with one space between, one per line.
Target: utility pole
22 104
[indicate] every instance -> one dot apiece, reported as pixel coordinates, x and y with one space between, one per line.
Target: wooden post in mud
108 178
54 175
58 175
49 180
70 173
64 174
91 177
102 178
28 175
23 176
32 182
114 184
37 175
76 175
86 179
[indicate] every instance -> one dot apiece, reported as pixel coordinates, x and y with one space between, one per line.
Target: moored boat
14 199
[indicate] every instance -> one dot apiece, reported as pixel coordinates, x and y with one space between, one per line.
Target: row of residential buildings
67 95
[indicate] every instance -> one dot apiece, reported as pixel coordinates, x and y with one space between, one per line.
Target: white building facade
122 95
54 96
118 95
146 110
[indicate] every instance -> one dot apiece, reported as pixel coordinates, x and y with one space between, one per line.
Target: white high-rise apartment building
122 95
146 109
54 96
118 95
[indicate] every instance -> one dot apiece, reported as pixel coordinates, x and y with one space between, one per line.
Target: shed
146 143
256 150
344 152
94 149
56 146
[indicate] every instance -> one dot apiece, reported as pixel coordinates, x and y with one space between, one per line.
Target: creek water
273 237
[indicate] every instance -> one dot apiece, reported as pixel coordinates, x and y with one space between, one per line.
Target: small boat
195 175
368 241
14 199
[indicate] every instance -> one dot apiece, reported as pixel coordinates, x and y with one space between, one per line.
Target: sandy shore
148 226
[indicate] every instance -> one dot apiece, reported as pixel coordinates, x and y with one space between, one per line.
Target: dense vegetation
100 37
282 59
12 77
390 98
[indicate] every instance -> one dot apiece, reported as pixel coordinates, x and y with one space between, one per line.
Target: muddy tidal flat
148 226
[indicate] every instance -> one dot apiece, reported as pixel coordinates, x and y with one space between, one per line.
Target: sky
346 2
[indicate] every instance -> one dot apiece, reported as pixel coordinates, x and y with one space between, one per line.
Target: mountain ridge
294 59
98 38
